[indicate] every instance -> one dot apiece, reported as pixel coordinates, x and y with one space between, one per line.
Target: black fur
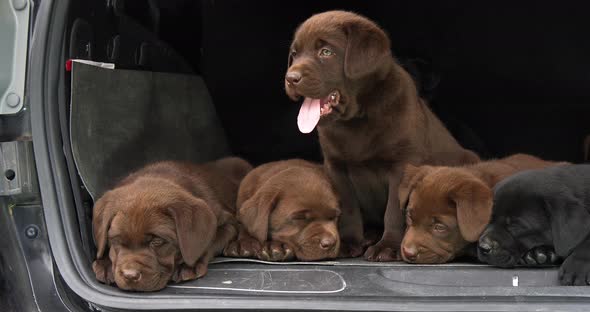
537 211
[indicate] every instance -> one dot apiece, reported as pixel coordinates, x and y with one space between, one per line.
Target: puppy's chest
358 145
370 184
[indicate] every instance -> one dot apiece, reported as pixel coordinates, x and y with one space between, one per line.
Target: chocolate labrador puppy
165 221
370 120
288 210
539 209
447 208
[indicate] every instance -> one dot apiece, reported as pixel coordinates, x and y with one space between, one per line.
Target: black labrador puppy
540 216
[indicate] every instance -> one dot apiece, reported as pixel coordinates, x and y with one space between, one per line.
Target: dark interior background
505 77
514 76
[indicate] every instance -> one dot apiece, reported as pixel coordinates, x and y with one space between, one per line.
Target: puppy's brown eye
299 217
157 242
293 53
326 52
439 227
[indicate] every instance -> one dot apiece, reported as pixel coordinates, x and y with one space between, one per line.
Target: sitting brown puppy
447 208
288 210
165 221
370 120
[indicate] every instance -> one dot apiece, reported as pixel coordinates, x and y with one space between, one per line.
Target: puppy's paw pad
540 256
382 252
249 247
530 258
242 248
232 249
289 253
381 255
276 251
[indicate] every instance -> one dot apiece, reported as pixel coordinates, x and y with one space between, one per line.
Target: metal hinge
18 168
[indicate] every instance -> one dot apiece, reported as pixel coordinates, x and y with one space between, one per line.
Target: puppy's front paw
103 268
244 247
383 251
187 273
276 251
352 248
575 271
540 256
201 269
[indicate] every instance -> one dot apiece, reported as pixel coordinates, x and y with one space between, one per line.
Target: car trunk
503 78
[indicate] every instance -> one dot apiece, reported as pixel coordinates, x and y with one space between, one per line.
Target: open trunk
504 78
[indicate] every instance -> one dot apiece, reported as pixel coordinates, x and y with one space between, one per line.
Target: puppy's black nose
485 245
293 77
132 275
485 248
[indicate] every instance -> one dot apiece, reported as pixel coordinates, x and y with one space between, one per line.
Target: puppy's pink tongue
309 115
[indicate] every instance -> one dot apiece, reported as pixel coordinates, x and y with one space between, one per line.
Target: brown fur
287 209
447 208
379 124
165 222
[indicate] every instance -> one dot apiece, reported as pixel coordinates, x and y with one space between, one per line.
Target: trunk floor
356 277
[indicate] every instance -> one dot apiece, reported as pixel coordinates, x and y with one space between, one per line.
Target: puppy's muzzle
293 78
328 242
131 275
487 245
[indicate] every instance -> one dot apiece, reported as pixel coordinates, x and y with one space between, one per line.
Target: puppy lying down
288 210
165 222
447 208
536 212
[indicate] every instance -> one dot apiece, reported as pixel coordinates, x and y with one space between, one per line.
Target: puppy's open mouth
313 109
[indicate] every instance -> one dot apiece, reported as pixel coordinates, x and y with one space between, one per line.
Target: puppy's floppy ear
196 226
412 175
254 214
570 223
473 200
103 213
367 49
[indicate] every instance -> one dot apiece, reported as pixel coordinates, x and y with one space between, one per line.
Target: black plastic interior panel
124 119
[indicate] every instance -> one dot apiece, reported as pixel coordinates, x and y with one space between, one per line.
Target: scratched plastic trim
343 282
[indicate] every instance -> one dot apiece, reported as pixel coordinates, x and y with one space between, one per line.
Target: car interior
197 80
